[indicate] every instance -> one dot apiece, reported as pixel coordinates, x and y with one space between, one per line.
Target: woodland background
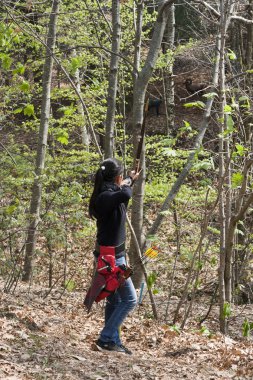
75 78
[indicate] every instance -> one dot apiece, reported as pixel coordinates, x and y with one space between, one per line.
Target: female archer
108 204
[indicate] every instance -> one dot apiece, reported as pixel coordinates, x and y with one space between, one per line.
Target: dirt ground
53 338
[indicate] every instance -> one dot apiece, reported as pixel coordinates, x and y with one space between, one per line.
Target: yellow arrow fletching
151 252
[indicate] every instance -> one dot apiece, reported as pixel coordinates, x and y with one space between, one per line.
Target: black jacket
110 208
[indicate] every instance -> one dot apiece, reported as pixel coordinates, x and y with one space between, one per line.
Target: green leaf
237 179
244 97
205 331
186 128
210 95
62 137
246 102
249 71
205 165
29 110
18 110
16 39
6 61
197 104
25 86
226 310
230 124
175 328
239 232
246 328
20 69
213 261
169 152
69 111
70 285
231 55
213 230
227 108
240 150
151 279
75 64
10 209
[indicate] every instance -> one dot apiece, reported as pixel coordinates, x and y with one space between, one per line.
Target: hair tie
102 167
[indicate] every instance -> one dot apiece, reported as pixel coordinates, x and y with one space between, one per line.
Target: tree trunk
140 87
113 80
137 45
169 38
35 204
84 133
225 270
249 47
222 201
249 66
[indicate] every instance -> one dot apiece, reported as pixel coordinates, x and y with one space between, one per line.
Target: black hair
108 170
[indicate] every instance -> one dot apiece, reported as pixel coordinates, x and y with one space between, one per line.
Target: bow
140 144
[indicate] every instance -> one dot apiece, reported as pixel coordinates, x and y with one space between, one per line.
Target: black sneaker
111 346
125 350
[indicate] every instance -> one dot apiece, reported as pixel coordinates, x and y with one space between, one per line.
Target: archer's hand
134 175
130 179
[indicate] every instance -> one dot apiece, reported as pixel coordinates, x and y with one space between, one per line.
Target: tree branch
244 208
106 50
217 14
8 153
237 76
102 12
213 10
201 14
242 19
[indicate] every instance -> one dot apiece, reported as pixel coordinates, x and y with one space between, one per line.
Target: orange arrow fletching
151 252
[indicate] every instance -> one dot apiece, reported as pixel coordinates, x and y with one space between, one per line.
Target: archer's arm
109 200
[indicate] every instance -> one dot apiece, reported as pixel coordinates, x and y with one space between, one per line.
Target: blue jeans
118 306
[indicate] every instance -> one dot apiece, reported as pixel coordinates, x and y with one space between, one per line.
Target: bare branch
217 14
102 12
237 76
201 13
244 208
213 10
242 19
8 153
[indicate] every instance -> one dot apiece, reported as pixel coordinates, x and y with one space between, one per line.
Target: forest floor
53 338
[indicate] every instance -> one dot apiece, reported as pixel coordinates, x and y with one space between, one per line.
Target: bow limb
140 144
